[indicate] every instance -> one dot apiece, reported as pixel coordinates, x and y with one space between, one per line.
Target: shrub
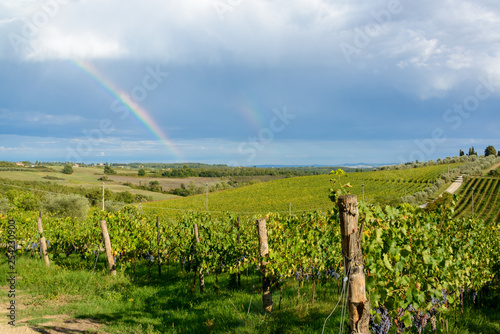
67 169
410 199
112 206
125 197
4 205
66 205
109 171
494 172
50 177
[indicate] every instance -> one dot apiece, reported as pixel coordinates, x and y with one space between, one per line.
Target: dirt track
455 185
451 189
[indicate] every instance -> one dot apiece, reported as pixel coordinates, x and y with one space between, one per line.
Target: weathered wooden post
43 243
267 297
359 306
200 271
107 245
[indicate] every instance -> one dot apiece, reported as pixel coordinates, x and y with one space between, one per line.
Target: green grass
140 304
310 192
162 305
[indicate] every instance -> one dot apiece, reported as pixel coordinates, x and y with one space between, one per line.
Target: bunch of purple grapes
147 256
445 299
420 321
240 260
330 272
401 324
298 274
385 321
474 296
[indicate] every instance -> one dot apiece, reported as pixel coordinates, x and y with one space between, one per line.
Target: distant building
19 164
76 165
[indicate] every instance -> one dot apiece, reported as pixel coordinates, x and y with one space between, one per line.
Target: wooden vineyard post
267 297
200 271
43 244
359 306
107 245
158 242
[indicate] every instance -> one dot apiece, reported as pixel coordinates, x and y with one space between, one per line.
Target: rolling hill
308 192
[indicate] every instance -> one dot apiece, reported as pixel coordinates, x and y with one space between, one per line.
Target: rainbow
249 110
140 113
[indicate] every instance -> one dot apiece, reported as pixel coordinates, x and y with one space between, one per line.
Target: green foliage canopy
490 150
67 169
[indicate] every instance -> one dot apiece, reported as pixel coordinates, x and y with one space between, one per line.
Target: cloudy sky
245 82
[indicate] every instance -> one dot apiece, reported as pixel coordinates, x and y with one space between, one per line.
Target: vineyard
419 266
307 193
481 196
424 268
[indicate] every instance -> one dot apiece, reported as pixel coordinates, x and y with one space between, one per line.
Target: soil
57 324
166 183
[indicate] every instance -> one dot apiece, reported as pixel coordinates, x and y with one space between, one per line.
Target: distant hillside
309 192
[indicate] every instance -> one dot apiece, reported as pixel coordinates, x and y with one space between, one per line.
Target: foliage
95 195
336 182
51 177
113 206
7 164
412 258
66 205
67 169
141 172
126 197
494 172
490 150
26 202
444 200
109 171
418 260
4 205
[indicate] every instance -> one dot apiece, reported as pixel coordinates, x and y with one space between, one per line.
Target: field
87 177
308 192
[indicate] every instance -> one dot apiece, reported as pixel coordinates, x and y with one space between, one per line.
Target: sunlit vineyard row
481 196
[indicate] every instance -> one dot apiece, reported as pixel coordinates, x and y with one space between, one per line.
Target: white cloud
427 48
38 118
